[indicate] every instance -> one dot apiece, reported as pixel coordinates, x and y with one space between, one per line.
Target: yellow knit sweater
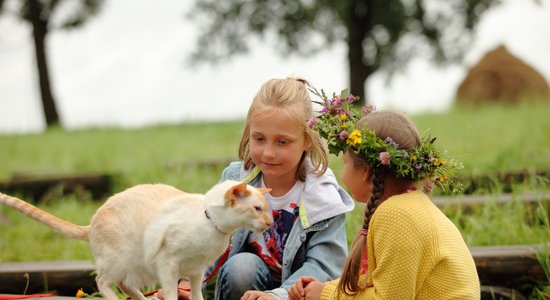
414 252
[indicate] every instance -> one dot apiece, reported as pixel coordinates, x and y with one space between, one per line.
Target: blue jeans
240 273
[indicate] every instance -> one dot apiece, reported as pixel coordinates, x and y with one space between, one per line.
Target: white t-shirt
269 245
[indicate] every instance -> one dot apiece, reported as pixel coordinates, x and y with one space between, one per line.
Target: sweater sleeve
330 289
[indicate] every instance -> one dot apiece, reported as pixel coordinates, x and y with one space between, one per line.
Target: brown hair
290 95
403 131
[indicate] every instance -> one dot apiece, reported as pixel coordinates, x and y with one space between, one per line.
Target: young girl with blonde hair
279 151
407 248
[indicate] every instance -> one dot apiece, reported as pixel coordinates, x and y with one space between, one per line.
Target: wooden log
35 187
470 201
504 269
500 181
64 278
509 266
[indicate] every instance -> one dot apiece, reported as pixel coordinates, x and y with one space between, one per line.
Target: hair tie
363 232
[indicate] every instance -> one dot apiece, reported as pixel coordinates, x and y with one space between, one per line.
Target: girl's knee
242 272
242 264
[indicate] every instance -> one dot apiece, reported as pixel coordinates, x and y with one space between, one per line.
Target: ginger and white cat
155 233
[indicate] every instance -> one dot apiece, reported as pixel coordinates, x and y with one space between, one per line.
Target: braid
349 282
376 195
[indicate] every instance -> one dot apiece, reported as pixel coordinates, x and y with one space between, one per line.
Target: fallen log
35 187
501 181
64 278
504 269
471 201
511 266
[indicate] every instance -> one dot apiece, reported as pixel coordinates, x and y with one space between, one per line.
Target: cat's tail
59 225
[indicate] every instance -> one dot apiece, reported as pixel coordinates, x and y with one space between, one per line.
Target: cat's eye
258 209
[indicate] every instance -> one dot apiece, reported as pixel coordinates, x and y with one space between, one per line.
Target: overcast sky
127 68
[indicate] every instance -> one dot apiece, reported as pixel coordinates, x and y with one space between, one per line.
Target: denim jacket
317 249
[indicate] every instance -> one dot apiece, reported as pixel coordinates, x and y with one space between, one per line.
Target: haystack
502 77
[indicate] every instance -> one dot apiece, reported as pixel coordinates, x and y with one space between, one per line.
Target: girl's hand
314 290
297 291
183 291
253 295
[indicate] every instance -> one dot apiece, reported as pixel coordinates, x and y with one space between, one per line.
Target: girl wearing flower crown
407 248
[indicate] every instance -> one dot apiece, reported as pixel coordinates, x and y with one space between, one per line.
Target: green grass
485 139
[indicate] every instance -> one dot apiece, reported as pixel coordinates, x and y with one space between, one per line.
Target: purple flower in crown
390 141
343 135
336 101
351 98
417 166
367 109
324 110
312 122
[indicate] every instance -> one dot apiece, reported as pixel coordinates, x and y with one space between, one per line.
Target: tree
40 15
380 34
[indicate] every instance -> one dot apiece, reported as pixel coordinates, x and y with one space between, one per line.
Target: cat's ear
264 190
237 191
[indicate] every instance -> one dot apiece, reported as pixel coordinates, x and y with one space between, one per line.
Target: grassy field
192 156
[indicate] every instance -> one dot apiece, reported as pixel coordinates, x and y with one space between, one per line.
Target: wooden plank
6 297
35 187
61 277
509 266
471 202
501 181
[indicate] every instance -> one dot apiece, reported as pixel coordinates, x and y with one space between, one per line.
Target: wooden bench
62 277
504 267
474 200
509 266
34 187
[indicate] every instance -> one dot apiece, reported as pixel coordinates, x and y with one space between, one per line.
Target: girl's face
353 177
276 144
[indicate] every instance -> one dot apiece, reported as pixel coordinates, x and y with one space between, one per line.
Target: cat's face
243 206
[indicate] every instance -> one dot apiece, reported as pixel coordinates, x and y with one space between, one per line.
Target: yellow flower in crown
354 138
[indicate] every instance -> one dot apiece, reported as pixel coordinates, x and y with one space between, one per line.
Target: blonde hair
290 95
402 130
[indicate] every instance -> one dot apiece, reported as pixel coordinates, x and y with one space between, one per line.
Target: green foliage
23 239
379 34
192 156
168 154
489 138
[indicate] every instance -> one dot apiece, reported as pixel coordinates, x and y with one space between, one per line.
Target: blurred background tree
45 16
381 35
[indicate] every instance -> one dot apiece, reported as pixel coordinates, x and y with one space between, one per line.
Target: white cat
155 233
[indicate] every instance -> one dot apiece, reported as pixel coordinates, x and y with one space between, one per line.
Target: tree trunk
40 29
358 70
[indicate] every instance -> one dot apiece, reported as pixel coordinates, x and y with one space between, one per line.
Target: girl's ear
367 174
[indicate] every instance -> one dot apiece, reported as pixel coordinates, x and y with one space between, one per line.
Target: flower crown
337 123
